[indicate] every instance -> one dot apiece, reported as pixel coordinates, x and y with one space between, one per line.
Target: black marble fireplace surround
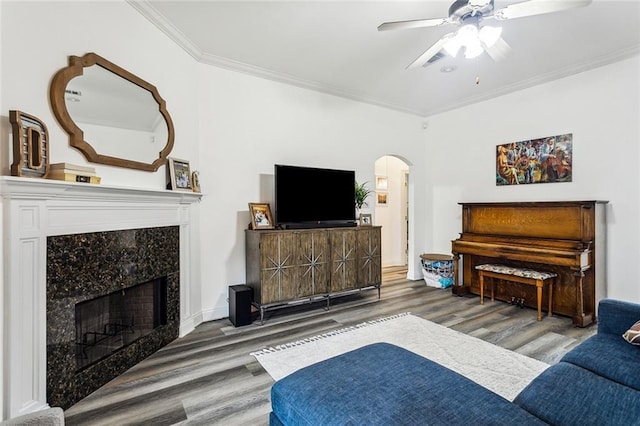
83 267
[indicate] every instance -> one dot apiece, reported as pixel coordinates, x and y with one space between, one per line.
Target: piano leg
457 288
580 318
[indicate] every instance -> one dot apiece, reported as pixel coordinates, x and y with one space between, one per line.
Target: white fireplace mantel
32 210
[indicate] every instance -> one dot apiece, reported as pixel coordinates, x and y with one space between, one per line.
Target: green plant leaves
362 192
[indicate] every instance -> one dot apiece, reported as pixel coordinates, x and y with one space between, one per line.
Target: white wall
601 109
247 125
113 30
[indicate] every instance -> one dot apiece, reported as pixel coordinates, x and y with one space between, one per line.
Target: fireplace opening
108 323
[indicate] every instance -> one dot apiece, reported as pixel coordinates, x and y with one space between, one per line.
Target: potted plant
362 192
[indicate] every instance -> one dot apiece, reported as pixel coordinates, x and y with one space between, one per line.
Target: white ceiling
334 46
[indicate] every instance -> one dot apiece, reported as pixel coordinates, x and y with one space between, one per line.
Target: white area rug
502 371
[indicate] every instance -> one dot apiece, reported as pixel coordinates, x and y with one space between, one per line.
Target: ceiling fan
472 35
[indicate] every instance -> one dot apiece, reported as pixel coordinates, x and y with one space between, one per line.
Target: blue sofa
596 383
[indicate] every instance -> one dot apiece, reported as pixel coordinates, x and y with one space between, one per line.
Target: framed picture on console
261 216
179 175
365 219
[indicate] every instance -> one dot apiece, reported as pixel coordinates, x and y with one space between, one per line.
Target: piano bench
520 275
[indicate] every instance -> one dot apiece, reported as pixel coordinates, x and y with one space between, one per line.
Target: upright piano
565 237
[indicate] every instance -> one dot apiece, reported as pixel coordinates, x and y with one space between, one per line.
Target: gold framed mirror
112 116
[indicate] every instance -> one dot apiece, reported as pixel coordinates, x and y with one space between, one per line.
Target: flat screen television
307 197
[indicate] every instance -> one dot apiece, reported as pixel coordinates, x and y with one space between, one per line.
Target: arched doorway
391 206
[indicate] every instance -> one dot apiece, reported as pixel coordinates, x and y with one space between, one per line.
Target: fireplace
111 322
112 300
36 213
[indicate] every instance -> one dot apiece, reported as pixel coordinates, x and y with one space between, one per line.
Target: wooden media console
286 267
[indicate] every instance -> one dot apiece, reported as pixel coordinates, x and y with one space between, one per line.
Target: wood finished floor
209 378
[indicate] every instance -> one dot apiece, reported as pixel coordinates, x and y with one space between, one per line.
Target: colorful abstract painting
541 160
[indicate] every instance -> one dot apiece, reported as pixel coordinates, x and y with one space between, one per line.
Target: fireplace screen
108 323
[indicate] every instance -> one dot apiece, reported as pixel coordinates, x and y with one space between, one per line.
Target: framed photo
382 183
261 216
195 178
365 219
180 175
381 198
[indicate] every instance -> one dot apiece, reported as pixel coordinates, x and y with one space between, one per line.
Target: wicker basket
437 270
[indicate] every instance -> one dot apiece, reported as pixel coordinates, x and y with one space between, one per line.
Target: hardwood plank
208 376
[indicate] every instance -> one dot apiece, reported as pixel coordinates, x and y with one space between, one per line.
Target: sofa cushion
615 316
274 420
568 395
610 356
382 384
632 335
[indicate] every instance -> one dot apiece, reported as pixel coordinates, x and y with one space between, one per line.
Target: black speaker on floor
240 305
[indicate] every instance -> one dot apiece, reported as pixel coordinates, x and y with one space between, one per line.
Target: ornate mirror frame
76 134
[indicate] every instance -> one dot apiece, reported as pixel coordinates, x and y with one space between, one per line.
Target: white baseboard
216 313
189 324
415 275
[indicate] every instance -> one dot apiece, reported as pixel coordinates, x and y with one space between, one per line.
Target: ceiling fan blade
499 50
537 7
418 23
430 53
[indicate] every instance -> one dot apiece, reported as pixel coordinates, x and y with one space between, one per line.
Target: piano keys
565 237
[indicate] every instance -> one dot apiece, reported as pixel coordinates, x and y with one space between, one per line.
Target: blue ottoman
382 384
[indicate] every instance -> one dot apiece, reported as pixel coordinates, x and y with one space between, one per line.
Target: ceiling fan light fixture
467 34
452 46
489 35
469 15
473 50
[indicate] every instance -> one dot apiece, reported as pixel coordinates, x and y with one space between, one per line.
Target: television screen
306 196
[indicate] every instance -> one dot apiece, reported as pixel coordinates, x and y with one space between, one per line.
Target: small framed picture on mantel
179 175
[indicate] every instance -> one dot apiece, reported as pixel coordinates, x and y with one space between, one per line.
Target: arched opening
391 208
